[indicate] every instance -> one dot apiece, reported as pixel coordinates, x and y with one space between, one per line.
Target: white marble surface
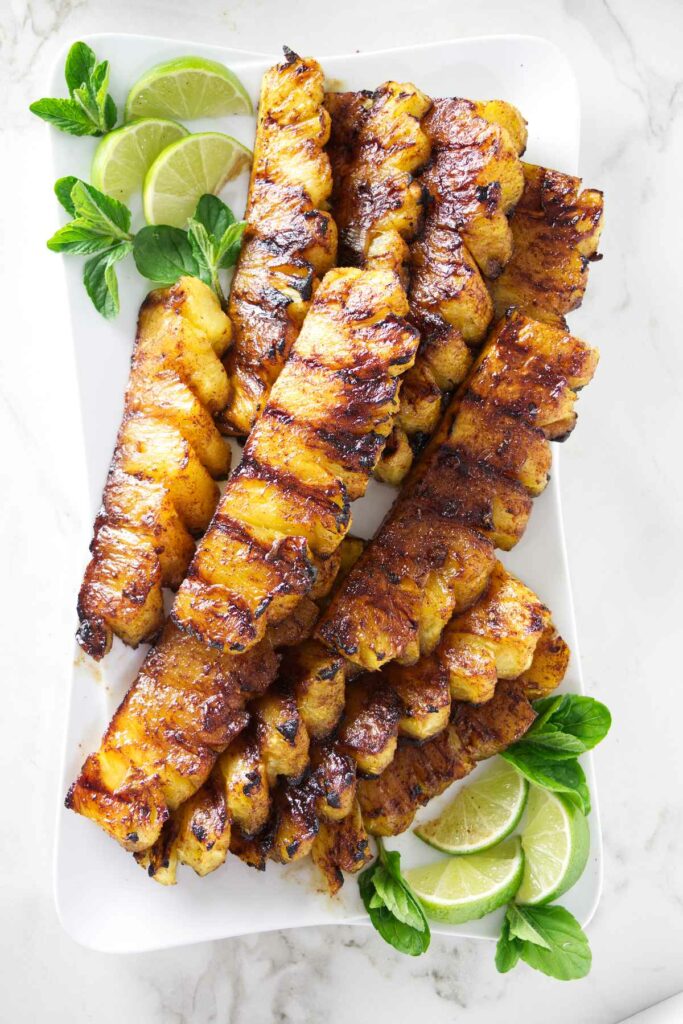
623 500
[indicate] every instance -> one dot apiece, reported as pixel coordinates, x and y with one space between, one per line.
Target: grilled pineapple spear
290 241
471 492
272 543
376 145
286 508
473 181
160 492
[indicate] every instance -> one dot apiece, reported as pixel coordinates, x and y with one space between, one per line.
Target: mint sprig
101 228
90 110
549 939
392 906
547 755
211 243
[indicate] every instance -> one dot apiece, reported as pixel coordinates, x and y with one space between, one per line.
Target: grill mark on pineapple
253 468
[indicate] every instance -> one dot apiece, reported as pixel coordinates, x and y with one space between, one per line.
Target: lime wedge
556 842
186 170
187 88
124 156
459 889
483 812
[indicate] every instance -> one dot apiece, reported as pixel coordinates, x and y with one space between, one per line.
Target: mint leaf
230 244
398 899
78 239
584 718
110 114
560 744
565 953
99 83
560 776
99 278
214 215
63 187
507 950
163 254
67 115
80 62
102 213
394 910
203 251
520 927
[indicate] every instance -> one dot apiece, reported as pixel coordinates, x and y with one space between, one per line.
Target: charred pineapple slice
495 639
556 228
160 491
290 241
376 146
341 846
286 508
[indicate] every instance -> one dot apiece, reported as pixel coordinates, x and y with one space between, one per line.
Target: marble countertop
623 500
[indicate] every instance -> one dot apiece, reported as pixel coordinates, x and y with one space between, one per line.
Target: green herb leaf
80 63
163 254
101 212
77 238
584 718
392 906
90 109
214 215
549 772
99 82
99 278
63 187
563 951
203 251
521 927
230 244
110 113
67 115
560 744
398 900
507 950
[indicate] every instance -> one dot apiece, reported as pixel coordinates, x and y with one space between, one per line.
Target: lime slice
185 170
556 842
188 87
124 156
483 812
459 889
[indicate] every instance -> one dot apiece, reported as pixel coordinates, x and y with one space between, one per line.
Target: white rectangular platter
104 900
